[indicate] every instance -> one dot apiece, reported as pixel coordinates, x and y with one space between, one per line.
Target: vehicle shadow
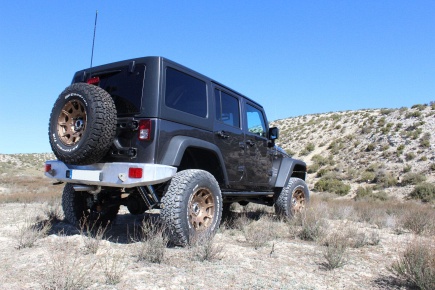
123 230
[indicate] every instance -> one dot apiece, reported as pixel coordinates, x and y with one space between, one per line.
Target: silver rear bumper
109 174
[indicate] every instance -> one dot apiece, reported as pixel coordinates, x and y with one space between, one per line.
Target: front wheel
292 199
192 206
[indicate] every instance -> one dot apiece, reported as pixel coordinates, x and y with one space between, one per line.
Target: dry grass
65 268
30 231
150 242
417 265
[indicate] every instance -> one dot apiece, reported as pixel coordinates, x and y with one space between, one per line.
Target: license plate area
88 175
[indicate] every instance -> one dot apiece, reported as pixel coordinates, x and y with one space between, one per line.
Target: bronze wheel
298 200
82 124
191 206
201 209
71 123
292 199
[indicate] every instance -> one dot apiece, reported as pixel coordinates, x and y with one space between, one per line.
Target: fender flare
178 145
286 169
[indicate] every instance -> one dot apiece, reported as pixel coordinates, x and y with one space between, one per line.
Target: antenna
93 40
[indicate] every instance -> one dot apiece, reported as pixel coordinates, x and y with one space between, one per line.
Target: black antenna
93 40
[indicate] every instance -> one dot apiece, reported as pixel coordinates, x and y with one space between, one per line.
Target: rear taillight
134 172
145 130
47 167
93 81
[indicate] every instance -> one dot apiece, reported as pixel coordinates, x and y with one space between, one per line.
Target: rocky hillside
388 150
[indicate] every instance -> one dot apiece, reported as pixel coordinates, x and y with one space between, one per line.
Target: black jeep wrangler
150 133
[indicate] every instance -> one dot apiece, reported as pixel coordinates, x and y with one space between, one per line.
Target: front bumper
109 174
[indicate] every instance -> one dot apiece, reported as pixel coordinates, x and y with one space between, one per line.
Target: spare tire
82 124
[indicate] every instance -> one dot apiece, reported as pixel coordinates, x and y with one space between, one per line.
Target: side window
185 93
227 109
256 124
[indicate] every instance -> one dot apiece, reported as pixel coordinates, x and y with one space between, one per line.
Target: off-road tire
191 206
82 124
292 199
77 211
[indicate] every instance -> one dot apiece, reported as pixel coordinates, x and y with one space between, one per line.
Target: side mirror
273 133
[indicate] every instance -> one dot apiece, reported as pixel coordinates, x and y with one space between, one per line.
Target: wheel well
299 171
198 158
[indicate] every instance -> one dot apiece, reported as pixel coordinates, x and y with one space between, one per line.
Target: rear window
185 93
124 86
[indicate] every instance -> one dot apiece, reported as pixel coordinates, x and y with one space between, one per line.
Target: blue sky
293 57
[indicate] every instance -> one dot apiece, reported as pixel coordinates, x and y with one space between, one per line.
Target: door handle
222 134
250 143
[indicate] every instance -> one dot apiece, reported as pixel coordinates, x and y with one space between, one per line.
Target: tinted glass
255 120
185 93
124 86
227 109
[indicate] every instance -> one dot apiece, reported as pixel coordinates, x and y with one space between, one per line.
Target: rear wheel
81 206
192 206
293 198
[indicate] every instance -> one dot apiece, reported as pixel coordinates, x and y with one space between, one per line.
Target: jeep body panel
223 131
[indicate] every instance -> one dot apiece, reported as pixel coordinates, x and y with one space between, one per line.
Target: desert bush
113 266
334 251
332 185
412 178
415 114
417 265
419 107
432 167
204 248
92 233
65 270
367 176
313 168
423 191
150 242
259 233
418 219
400 149
363 192
309 225
320 160
370 147
384 179
31 230
409 156
425 140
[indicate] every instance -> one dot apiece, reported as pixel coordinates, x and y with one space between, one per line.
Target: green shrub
320 160
400 149
362 192
413 115
313 168
370 147
412 178
425 140
419 107
409 156
368 193
332 185
423 191
384 179
367 176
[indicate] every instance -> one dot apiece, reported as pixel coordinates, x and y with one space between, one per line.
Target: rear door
228 134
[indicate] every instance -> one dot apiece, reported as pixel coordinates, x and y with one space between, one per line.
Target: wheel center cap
78 125
195 208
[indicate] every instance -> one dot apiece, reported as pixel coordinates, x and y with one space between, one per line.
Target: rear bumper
109 174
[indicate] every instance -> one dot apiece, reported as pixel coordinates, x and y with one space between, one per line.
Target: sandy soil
284 263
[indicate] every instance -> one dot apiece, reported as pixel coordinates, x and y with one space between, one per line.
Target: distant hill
384 149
